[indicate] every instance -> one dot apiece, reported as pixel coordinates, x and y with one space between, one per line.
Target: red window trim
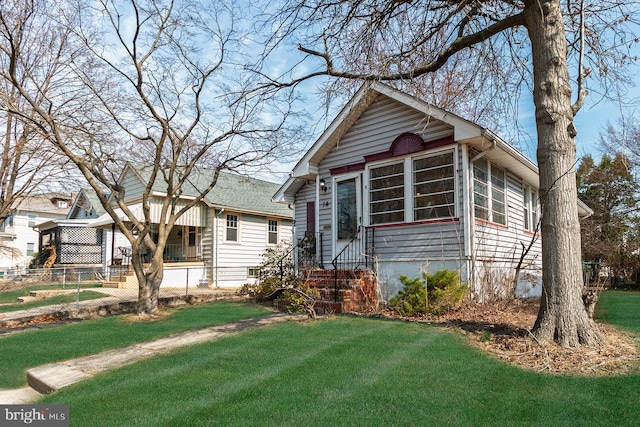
404 144
425 222
492 224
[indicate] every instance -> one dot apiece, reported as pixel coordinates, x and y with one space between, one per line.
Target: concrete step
48 293
111 285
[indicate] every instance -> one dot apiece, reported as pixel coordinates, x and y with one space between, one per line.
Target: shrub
299 299
261 288
412 300
296 297
445 291
435 293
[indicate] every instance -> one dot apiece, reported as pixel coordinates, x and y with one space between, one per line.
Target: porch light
323 185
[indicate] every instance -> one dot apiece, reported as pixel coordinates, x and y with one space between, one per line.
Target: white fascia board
287 192
163 195
282 195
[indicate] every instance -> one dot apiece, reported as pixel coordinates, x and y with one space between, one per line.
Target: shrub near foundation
435 293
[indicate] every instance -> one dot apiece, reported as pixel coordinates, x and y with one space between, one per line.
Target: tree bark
562 316
149 281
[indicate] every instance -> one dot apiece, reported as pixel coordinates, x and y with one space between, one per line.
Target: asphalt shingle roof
232 191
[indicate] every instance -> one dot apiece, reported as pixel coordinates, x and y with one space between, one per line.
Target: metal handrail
280 261
357 255
340 256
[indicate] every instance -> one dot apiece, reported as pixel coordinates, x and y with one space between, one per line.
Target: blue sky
590 122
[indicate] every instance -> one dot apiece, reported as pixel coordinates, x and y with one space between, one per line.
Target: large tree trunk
149 281
562 316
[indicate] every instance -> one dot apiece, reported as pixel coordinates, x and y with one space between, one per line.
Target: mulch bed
502 329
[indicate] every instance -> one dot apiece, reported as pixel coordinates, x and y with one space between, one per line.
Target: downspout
113 241
472 219
216 244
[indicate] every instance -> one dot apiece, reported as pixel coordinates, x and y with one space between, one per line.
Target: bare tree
540 40
149 81
26 166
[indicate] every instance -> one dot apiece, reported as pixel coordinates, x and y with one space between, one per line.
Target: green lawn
56 300
621 309
351 371
25 350
11 297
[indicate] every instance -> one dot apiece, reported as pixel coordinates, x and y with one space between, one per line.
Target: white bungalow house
399 185
220 241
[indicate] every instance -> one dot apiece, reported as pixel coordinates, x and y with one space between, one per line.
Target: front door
347 215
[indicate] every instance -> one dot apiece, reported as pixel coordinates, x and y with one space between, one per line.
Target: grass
12 296
621 309
25 350
351 371
55 300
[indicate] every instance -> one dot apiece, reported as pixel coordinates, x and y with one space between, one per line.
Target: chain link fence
71 288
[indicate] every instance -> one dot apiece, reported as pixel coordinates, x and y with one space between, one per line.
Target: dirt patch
503 331
145 318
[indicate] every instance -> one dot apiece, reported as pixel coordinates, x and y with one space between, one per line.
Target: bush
261 288
296 296
435 293
412 300
292 301
445 291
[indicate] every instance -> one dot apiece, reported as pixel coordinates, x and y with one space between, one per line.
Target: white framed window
272 232
32 220
253 271
434 187
30 248
531 209
232 228
416 188
386 194
489 192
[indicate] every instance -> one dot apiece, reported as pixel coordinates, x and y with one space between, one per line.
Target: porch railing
358 252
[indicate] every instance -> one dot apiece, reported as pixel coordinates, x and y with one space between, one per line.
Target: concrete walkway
55 376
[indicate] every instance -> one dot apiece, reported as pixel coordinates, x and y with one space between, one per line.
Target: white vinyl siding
234 259
373 133
502 245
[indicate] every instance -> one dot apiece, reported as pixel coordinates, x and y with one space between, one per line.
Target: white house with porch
219 242
400 186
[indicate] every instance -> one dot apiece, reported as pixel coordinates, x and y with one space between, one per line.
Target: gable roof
232 191
464 131
86 198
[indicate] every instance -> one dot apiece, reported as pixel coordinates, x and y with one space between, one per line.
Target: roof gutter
485 151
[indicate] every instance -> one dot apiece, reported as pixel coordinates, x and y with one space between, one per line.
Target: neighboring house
71 239
404 186
220 241
18 239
